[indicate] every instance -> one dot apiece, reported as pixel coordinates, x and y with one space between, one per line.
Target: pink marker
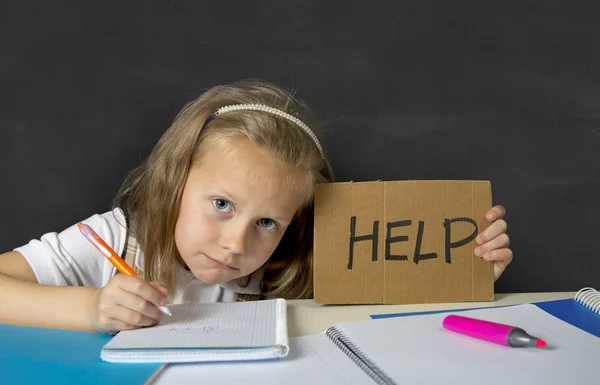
491 331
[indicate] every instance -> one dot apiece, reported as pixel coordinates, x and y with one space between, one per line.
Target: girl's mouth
221 265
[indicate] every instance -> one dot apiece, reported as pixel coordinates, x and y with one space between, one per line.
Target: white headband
274 111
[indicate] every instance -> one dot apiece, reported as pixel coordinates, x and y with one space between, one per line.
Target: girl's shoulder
67 258
116 218
113 225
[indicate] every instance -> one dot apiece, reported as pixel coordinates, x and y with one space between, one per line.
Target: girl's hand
126 303
493 241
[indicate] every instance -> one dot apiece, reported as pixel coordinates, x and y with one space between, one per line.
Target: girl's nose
235 238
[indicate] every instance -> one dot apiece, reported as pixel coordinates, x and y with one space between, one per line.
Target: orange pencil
112 256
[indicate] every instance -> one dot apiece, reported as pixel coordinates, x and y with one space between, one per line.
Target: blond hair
150 197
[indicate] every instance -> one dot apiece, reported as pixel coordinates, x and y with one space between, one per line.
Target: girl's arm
125 302
25 302
62 281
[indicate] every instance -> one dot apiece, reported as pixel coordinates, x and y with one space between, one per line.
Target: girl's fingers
130 319
501 259
143 289
113 326
138 305
496 212
493 231
159 287
499 256
502 241
121 305
500 266
494 241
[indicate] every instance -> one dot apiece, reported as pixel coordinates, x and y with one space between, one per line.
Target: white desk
305 317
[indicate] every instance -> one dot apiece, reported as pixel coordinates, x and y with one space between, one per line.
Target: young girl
220 211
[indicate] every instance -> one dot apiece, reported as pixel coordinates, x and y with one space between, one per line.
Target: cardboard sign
401 242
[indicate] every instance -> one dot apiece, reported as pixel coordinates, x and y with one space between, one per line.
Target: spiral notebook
237 331
417 350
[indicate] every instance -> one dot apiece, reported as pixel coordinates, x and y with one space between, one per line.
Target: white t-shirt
69 259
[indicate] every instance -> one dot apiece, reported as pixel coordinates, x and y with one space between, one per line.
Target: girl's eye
222 205
267 223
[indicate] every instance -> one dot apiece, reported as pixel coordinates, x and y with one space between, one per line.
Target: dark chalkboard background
507 91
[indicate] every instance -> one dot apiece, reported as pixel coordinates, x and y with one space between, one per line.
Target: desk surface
306 317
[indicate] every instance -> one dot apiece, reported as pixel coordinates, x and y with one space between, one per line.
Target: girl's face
236 205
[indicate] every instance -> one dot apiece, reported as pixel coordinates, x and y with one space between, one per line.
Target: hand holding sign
493 241
407 242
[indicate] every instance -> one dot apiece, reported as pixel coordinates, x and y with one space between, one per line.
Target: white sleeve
69 259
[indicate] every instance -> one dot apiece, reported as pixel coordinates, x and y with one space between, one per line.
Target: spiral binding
358 357
590 298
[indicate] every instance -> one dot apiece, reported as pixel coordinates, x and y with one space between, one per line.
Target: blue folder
567 310
38 356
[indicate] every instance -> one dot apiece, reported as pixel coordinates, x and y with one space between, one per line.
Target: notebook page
418 350
214 325
312 360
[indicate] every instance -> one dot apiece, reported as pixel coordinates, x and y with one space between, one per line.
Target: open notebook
207 332
417 350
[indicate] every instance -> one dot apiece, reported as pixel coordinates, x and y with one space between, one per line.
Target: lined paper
215 325
418 350
207 332
312 360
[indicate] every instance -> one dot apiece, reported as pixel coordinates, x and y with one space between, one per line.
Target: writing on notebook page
237 331
205 329
187 319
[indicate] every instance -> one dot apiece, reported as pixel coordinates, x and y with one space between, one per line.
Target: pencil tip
540 343
165 310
